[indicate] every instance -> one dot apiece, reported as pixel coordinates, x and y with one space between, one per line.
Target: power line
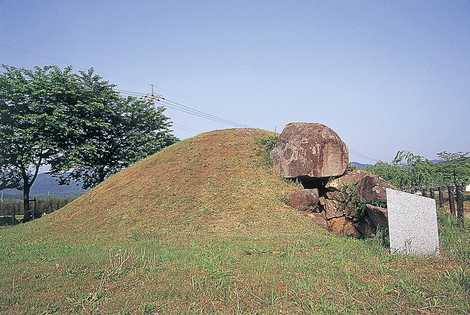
159 99
199 114
189 110
195 114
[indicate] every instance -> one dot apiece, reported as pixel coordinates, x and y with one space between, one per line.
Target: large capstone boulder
309 150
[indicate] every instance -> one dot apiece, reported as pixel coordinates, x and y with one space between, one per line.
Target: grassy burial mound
218 183
203 227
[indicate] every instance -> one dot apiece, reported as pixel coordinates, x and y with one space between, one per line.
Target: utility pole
152 85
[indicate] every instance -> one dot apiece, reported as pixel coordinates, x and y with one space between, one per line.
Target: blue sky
386 75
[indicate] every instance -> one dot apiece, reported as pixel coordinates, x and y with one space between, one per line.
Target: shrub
268 143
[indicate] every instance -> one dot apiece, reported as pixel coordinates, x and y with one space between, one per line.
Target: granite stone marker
412 223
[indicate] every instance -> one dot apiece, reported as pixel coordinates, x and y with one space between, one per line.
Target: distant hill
360 165
47 185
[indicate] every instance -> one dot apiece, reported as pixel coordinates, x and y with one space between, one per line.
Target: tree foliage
421 172
9 178
412 172
75 122
455 168
32 107
393 173
126 132
113 132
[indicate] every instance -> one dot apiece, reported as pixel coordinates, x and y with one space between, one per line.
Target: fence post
450 191
460 204
34 208
441 197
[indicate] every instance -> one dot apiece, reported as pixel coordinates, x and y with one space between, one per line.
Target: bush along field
201 227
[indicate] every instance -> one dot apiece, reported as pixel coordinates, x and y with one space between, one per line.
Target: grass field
201 228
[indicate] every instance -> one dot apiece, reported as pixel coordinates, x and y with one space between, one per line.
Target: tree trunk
13 216
431 193
459 189
424 192
441 197
450 190
26 207
102 175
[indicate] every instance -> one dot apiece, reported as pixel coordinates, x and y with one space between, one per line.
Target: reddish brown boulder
343 226
309 150
377 215
350 178
332 208
337 195
306 199
371 188
343 201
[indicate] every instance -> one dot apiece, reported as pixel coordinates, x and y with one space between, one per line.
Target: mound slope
217 182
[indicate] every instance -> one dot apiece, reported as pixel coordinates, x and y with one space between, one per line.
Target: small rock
377 215
371 188
343 226
350 211
306 199
341 201
352 177
338 196
365 227
333 208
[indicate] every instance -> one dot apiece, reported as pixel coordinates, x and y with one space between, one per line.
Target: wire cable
160 100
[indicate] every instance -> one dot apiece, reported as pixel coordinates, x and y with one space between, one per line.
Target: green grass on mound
201 228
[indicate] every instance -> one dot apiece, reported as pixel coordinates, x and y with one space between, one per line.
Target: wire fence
12 209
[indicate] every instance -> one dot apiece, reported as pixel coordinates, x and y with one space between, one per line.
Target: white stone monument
412 224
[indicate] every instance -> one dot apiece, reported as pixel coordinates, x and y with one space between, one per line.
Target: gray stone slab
412 224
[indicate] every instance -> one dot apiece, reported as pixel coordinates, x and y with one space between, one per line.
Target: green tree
9 178
393 173
122 134
421 172
114 132
32 105
76 123
455 171
455 167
